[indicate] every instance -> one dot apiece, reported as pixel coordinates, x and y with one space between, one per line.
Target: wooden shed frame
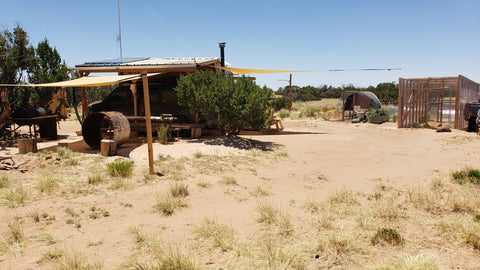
441 100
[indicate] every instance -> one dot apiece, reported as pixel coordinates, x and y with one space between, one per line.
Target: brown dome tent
364 99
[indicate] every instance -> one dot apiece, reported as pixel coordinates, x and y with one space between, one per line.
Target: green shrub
388 235
234 103
64 152
162 134
94 179
378 112
467 176
120 168
179 190
167 204
311 111
279 102
283 113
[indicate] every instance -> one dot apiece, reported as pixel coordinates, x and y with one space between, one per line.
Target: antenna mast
119 38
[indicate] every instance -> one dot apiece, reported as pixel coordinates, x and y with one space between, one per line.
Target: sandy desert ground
322 181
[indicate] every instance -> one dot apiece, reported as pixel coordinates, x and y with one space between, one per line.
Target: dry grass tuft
228 180
48 183
166 204
418 262
16 196
157 254
120 168
259 192
5 182
179 190
68 260
220 236
272 215
339 247
274 253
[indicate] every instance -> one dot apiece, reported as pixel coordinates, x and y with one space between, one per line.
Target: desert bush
162 133
279 102
467 176
387 235
234 103
64 152
197 154
378 112
309 111
120 168
283 113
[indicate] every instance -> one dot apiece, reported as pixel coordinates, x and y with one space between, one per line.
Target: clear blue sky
424 38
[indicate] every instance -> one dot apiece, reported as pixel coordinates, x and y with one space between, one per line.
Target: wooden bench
138 124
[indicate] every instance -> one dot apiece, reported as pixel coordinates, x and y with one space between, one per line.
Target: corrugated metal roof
134 62
170 61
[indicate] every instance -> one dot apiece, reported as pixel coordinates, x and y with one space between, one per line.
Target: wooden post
148 121
401 89
27 146
133 88
290 95
84 102
196 132
108 147
457 103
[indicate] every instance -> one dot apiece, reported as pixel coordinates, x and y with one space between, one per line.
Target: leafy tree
387 93
279 102
48 67
234 104
16 55
195 92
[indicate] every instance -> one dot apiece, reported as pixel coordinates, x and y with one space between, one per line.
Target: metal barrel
105 125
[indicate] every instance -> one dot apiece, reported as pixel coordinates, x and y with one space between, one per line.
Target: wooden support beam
133 89
84 102
148 121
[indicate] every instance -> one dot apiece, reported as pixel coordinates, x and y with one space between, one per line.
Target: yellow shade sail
240 71
87 81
